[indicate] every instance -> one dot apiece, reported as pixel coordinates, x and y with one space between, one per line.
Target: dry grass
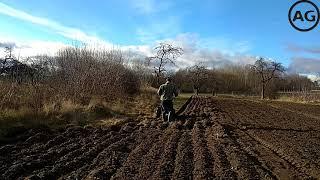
77 86
59 114
301 97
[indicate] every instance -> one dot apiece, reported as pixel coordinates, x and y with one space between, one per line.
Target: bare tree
267 70
165 54
9 52
8 56
199 74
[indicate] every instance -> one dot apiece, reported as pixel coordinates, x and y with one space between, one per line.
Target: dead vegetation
78 86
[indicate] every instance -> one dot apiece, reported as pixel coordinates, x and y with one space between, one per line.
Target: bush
75 74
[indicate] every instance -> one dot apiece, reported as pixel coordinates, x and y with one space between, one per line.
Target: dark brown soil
214 138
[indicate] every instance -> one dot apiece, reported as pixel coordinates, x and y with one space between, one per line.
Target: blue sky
226 27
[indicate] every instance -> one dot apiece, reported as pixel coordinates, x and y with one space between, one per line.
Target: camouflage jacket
167 91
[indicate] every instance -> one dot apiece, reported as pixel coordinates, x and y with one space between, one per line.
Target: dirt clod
213 138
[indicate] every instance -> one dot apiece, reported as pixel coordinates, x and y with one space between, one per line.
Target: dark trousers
167 105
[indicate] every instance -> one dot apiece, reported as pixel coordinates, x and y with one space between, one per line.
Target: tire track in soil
240 162
221 167
219 134
291 110
302 166
294 165
281 168
245 165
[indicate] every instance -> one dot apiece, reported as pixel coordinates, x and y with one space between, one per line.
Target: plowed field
213 138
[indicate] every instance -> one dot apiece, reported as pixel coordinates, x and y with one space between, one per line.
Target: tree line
81 73
264 78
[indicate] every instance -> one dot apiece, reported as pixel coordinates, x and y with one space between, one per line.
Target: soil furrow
110 159
240 162
78 158
203 161
151 160
221 167
166 164
279 167
135 158
213 138
299 164
183 166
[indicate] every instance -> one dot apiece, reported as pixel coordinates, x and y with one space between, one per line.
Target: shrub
75 74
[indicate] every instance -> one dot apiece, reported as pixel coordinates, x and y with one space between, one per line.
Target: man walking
167 93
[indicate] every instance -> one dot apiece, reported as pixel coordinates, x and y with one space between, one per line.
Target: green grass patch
181 100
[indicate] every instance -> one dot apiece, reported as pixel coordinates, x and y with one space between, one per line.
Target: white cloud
196 51
68 32
302 49
313 77
33 47
23 48
226 45
40 47
7 44
141 50
305 65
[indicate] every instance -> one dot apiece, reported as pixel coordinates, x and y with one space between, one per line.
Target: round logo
304 15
